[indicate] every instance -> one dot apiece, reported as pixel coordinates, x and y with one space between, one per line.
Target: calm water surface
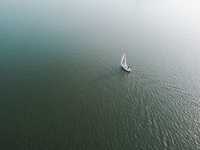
62 87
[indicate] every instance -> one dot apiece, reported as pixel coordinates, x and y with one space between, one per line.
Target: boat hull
127 69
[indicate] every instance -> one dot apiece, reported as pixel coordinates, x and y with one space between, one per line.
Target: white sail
123 59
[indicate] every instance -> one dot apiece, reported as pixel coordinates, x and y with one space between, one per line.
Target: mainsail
123 60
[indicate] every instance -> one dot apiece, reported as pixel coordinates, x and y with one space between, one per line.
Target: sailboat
124 65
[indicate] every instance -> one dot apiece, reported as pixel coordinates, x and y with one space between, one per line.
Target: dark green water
62 87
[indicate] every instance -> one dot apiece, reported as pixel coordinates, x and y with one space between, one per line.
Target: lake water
62 86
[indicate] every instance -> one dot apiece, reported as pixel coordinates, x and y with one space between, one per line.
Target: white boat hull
126 68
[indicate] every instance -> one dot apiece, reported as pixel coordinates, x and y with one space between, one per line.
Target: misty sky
115 20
